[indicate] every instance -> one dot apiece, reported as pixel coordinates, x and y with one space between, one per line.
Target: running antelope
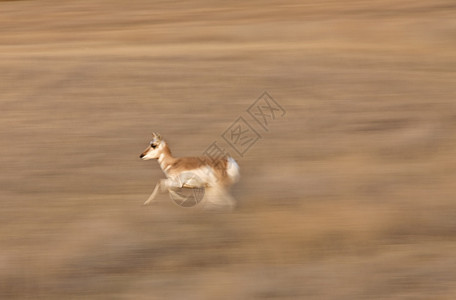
216 176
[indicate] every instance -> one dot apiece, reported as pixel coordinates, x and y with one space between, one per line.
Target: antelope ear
156 137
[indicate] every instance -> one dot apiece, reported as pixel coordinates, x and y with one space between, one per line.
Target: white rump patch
232 169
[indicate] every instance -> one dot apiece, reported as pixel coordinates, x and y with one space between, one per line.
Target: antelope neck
165 159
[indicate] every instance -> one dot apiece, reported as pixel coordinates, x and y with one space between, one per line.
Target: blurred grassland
349 196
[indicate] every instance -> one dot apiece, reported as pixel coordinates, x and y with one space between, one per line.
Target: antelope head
154 149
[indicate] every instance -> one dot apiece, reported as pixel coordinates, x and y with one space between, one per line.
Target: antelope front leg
164 185
154 193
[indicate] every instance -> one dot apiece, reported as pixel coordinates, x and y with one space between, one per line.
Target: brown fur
188 163
179 164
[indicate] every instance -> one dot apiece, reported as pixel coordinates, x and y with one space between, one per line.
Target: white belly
196 178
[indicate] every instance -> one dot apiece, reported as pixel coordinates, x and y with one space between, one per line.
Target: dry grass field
350 195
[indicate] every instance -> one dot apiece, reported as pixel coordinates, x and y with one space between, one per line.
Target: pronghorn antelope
216 176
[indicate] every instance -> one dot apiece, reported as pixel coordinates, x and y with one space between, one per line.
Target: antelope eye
153 145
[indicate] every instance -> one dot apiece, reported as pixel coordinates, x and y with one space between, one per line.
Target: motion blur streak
349 196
